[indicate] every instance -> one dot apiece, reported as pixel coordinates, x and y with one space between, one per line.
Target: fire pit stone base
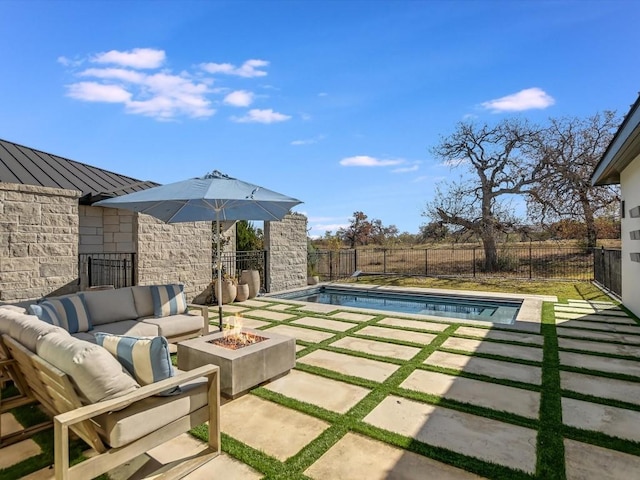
243 368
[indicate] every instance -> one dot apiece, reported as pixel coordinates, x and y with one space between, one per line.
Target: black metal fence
531 262
234 262
607 270
117 269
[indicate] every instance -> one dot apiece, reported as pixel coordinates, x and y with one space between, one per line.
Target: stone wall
286 245
173 253
106 230
38 241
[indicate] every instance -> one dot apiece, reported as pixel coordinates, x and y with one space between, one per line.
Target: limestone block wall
286 245
38 241
106 230
173 253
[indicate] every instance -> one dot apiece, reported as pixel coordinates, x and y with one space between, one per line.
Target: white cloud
323 94
136 58
309 141
239 98
422 178
366 161
123 74
97 92
332 227
527 99
412 168
454 162
248 69
262 116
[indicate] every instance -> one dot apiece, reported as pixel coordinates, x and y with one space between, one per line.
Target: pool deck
377 395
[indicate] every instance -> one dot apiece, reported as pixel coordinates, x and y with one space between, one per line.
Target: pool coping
528 320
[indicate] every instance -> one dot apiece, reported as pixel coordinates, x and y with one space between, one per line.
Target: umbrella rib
186 202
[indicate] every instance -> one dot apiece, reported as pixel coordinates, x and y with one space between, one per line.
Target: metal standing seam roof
27 166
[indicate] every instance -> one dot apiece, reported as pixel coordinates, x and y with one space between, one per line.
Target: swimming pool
502 311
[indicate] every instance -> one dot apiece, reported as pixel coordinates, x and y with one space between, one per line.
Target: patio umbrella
215 196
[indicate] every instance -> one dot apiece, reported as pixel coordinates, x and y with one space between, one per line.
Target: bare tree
358 232
500 161
575 146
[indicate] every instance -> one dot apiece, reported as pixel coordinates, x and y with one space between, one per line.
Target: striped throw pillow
168 300
147 359
45 312
72 312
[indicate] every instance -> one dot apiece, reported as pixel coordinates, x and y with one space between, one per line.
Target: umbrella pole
219 283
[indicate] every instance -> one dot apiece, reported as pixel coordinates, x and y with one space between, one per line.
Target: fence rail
234 262
607 269
531 262
117 269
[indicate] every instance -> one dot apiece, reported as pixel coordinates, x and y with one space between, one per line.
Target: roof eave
622 150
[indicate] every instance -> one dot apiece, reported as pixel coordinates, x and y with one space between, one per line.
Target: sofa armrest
103 462
204 311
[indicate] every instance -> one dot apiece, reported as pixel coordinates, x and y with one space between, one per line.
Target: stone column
286 245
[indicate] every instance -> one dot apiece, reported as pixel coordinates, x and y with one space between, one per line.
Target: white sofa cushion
95 373
108 306
148 415
176 325
26 329
133 328
143 300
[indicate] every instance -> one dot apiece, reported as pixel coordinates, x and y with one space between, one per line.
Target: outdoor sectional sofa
88 390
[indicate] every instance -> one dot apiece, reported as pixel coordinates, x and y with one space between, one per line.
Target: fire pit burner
234 342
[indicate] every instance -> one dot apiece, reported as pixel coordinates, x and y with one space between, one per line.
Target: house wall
38 241
286 245
630 186
173 253
106 230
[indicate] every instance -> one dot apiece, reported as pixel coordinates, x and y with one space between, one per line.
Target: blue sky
336 103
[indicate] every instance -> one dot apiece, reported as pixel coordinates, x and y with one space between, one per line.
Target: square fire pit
243 368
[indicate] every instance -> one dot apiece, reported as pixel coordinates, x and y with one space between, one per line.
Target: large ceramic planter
228 290
251 278
313 280
243 292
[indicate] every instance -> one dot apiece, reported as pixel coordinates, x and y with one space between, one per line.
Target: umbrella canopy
214 197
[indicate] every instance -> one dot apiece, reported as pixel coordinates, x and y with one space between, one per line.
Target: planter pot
243 292
251 278
228 290
313 280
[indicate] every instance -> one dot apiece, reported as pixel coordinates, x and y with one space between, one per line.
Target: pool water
500 311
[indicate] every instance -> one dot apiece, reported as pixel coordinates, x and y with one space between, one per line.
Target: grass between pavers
27 416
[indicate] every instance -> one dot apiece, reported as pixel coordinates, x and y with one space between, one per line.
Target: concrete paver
478 437
279 307
18 452
300 333
355 457
563 316
313 389
375 347
253 323
318 308
601 364
9 424
600 347
504 349
575 308
404 335
417 324
491 334
590 462
607 327
348 365
490 395
594 335
613 421
237 308
484 366
354 317
269 315
253 421
256 303
601 387
324 323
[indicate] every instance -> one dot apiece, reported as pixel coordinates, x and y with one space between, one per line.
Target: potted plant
312 265
229 288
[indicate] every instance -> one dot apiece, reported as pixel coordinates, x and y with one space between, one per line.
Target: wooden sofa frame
55 391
